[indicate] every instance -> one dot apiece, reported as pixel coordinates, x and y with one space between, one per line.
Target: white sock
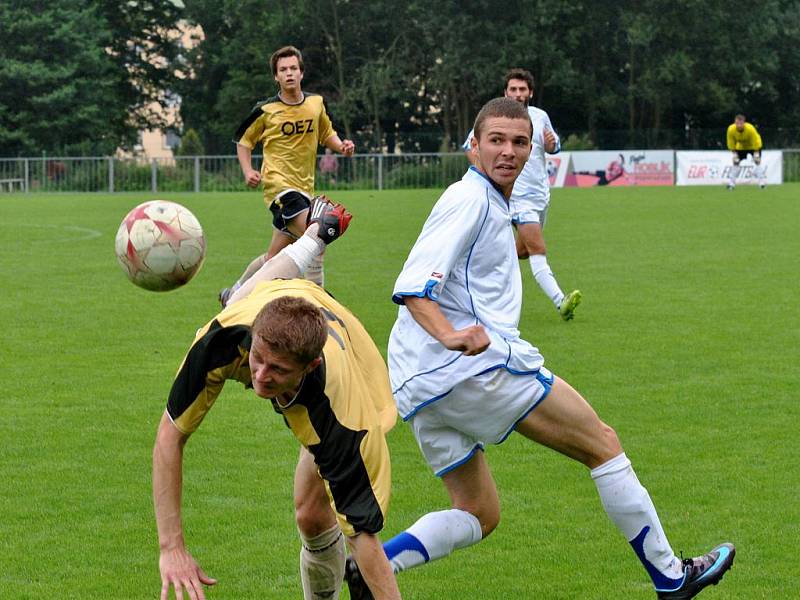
322 561
734 173
305 249
287 264
433 536
315 271
545 278
629 506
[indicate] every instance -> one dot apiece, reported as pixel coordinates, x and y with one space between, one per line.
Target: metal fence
222 173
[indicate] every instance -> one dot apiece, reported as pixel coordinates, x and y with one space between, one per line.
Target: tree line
84 77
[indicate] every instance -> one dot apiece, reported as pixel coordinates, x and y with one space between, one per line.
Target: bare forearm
167 483
336 144
469 340
427 313
245 156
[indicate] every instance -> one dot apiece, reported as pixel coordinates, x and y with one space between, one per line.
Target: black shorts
286 207
742 154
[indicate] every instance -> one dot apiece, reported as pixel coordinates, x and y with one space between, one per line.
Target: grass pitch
686 343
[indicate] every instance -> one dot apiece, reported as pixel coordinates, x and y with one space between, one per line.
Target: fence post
153 176
110 174
380 171
196 174
27 175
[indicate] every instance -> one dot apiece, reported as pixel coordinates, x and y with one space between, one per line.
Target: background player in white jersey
462 377
531 196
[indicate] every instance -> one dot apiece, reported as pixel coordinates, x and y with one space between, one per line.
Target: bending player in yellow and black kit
743 139
290 126
294 344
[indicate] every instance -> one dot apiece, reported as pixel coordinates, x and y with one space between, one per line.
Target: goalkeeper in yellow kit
744 139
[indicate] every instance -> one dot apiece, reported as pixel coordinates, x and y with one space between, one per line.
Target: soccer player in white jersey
531 195
462 376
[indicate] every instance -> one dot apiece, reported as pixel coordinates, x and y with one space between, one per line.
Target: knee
488 515
607 448
312 518
489 523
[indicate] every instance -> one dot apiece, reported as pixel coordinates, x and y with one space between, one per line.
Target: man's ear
313 364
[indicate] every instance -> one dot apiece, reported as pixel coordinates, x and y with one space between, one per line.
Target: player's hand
470 340
252 178
549 140
181 572
348 148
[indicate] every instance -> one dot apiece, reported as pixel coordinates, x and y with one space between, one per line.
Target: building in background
161 143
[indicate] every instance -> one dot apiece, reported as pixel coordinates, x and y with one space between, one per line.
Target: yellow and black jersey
342 411
747 139
290 135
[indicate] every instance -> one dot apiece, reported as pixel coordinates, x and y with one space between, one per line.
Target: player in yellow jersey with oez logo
743 139
290 126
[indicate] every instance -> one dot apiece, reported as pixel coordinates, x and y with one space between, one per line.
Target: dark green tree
67 86
57 84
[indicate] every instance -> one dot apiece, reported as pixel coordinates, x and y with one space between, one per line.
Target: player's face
288 73
739 124
274 374
518 90
503 149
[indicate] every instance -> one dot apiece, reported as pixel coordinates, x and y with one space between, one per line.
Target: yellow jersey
341 413
747 139
290 135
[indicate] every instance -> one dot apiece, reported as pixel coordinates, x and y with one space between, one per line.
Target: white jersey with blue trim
465 259
533 183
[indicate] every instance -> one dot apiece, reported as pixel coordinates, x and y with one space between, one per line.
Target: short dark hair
283 53
293 327
740 116
501 107
522 74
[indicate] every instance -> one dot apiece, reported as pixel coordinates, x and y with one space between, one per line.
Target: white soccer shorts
482 410
525 210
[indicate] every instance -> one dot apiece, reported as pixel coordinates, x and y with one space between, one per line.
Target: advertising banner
714 168
625 167
557 168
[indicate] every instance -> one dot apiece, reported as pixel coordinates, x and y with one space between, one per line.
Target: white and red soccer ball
160 245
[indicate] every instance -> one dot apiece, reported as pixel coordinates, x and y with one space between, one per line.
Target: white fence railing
220 173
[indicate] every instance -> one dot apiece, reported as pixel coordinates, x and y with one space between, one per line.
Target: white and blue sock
629 506
545 278
433 536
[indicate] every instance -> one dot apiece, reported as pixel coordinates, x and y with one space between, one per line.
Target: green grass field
686 343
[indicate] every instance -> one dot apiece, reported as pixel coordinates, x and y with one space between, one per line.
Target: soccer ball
160 245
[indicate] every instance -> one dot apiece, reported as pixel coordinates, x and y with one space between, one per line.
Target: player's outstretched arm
470 340
178 568
374 566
